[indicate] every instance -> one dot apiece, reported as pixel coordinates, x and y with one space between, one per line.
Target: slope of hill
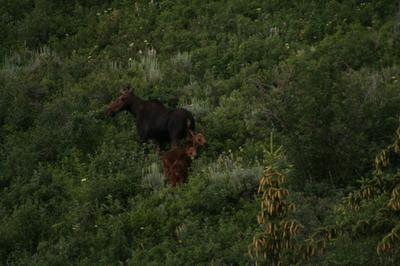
75 187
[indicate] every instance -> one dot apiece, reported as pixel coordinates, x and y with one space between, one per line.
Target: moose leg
142 136
177 132
143 141
174 179
176 136
158 149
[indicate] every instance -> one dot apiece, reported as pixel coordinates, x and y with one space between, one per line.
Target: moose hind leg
177 134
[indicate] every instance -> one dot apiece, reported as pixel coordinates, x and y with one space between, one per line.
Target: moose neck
135 104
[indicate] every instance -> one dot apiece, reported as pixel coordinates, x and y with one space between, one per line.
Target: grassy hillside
321 77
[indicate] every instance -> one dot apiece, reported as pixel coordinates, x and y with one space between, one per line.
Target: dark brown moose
176 162
154 121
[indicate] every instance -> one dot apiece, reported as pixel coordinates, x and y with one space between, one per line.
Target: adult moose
154 121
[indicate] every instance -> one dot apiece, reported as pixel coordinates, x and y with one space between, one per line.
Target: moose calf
176 162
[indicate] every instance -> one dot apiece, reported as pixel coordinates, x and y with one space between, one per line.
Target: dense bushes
77 188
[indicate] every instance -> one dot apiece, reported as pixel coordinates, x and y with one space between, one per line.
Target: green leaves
75 186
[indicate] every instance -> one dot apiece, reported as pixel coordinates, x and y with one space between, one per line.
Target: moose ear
201 140
125 89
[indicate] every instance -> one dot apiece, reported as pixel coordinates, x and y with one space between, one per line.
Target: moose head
198 140
123 102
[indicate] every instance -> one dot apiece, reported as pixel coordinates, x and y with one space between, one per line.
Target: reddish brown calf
176 162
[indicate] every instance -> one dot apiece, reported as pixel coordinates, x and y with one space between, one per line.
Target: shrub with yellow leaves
278 234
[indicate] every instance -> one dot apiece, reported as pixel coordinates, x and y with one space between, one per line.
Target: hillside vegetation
319 79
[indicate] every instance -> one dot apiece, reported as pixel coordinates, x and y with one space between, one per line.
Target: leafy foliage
276 244
77 188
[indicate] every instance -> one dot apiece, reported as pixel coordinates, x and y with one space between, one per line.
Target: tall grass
26 61
149 64
234 172
182 60
152 174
